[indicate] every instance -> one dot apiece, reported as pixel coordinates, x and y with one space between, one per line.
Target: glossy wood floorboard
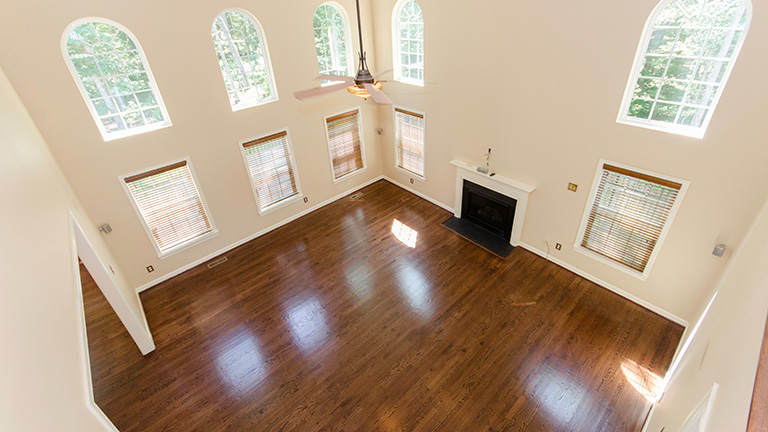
331 323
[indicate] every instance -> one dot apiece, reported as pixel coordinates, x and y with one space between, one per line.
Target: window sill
663 127
596 256
348 175
243 105
279 204
111 136
187 245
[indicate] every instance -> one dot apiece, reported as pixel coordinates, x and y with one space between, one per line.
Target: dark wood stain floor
331 323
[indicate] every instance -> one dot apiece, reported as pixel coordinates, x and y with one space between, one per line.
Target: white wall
726 349
177 42
43 366
541 83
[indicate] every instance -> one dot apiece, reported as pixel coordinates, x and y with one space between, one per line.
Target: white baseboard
226 249
419 194
653 308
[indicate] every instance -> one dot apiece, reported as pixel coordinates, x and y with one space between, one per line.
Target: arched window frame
227 78
348 48
642 51
97 118
396 44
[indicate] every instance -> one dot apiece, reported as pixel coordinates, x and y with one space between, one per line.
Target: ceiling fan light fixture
360 91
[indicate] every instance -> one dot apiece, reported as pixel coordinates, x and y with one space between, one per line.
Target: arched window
113 75
408 44
244 59
331 40
685 57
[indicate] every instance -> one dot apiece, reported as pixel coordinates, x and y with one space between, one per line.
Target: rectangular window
629 215
170 205
271 167
344 143
409 138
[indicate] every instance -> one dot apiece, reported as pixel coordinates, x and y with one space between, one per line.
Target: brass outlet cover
572 187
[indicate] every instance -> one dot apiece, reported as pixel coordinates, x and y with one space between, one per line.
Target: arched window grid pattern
408 44
332 41
244 59
687 53
113 75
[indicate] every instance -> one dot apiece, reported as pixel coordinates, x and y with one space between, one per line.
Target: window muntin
408 31
114 78
331 41
629 214
686 55
344 144
170 205
243 59
409 141
272 170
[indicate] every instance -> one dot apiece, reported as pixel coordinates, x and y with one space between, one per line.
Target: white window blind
628 215
344 143
270 165
169 203
409 134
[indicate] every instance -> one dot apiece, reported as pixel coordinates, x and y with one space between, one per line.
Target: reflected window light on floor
308 325
240 363
404 233
643 380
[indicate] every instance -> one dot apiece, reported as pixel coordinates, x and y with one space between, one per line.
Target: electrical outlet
306 199
150 269
411 181
572 187
558 246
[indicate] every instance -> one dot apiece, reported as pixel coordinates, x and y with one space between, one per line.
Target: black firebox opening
488 209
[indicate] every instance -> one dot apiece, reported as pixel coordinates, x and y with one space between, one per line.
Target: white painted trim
503 185
266 57
690 131
226 249
109 136
291 161
90 401
419 194
667 224
176 249
360 133
422 177
653 308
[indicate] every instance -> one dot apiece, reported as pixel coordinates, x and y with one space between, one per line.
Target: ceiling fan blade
306 94
343 78
378 95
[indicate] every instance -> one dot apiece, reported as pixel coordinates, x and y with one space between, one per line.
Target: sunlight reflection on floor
405 234
643 380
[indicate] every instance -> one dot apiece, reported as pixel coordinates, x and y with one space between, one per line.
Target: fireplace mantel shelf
499 178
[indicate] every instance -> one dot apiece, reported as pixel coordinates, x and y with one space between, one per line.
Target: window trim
362 143
689 131
662 235
284 202
422 178
111 136
176 249
347 39
267 60
397 67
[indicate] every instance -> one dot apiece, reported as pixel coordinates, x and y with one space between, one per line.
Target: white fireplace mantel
503 185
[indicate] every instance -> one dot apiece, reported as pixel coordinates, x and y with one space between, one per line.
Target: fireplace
488 209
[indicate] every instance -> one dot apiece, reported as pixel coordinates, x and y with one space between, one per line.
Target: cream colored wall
176 40
43 368
541 83
727 347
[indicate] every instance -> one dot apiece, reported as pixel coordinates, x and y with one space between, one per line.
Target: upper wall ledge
499 178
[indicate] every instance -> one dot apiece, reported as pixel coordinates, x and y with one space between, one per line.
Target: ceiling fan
363 84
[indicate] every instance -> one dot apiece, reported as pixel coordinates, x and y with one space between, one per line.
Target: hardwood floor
331 323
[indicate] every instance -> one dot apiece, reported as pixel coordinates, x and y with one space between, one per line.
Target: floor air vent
216 262
355 195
